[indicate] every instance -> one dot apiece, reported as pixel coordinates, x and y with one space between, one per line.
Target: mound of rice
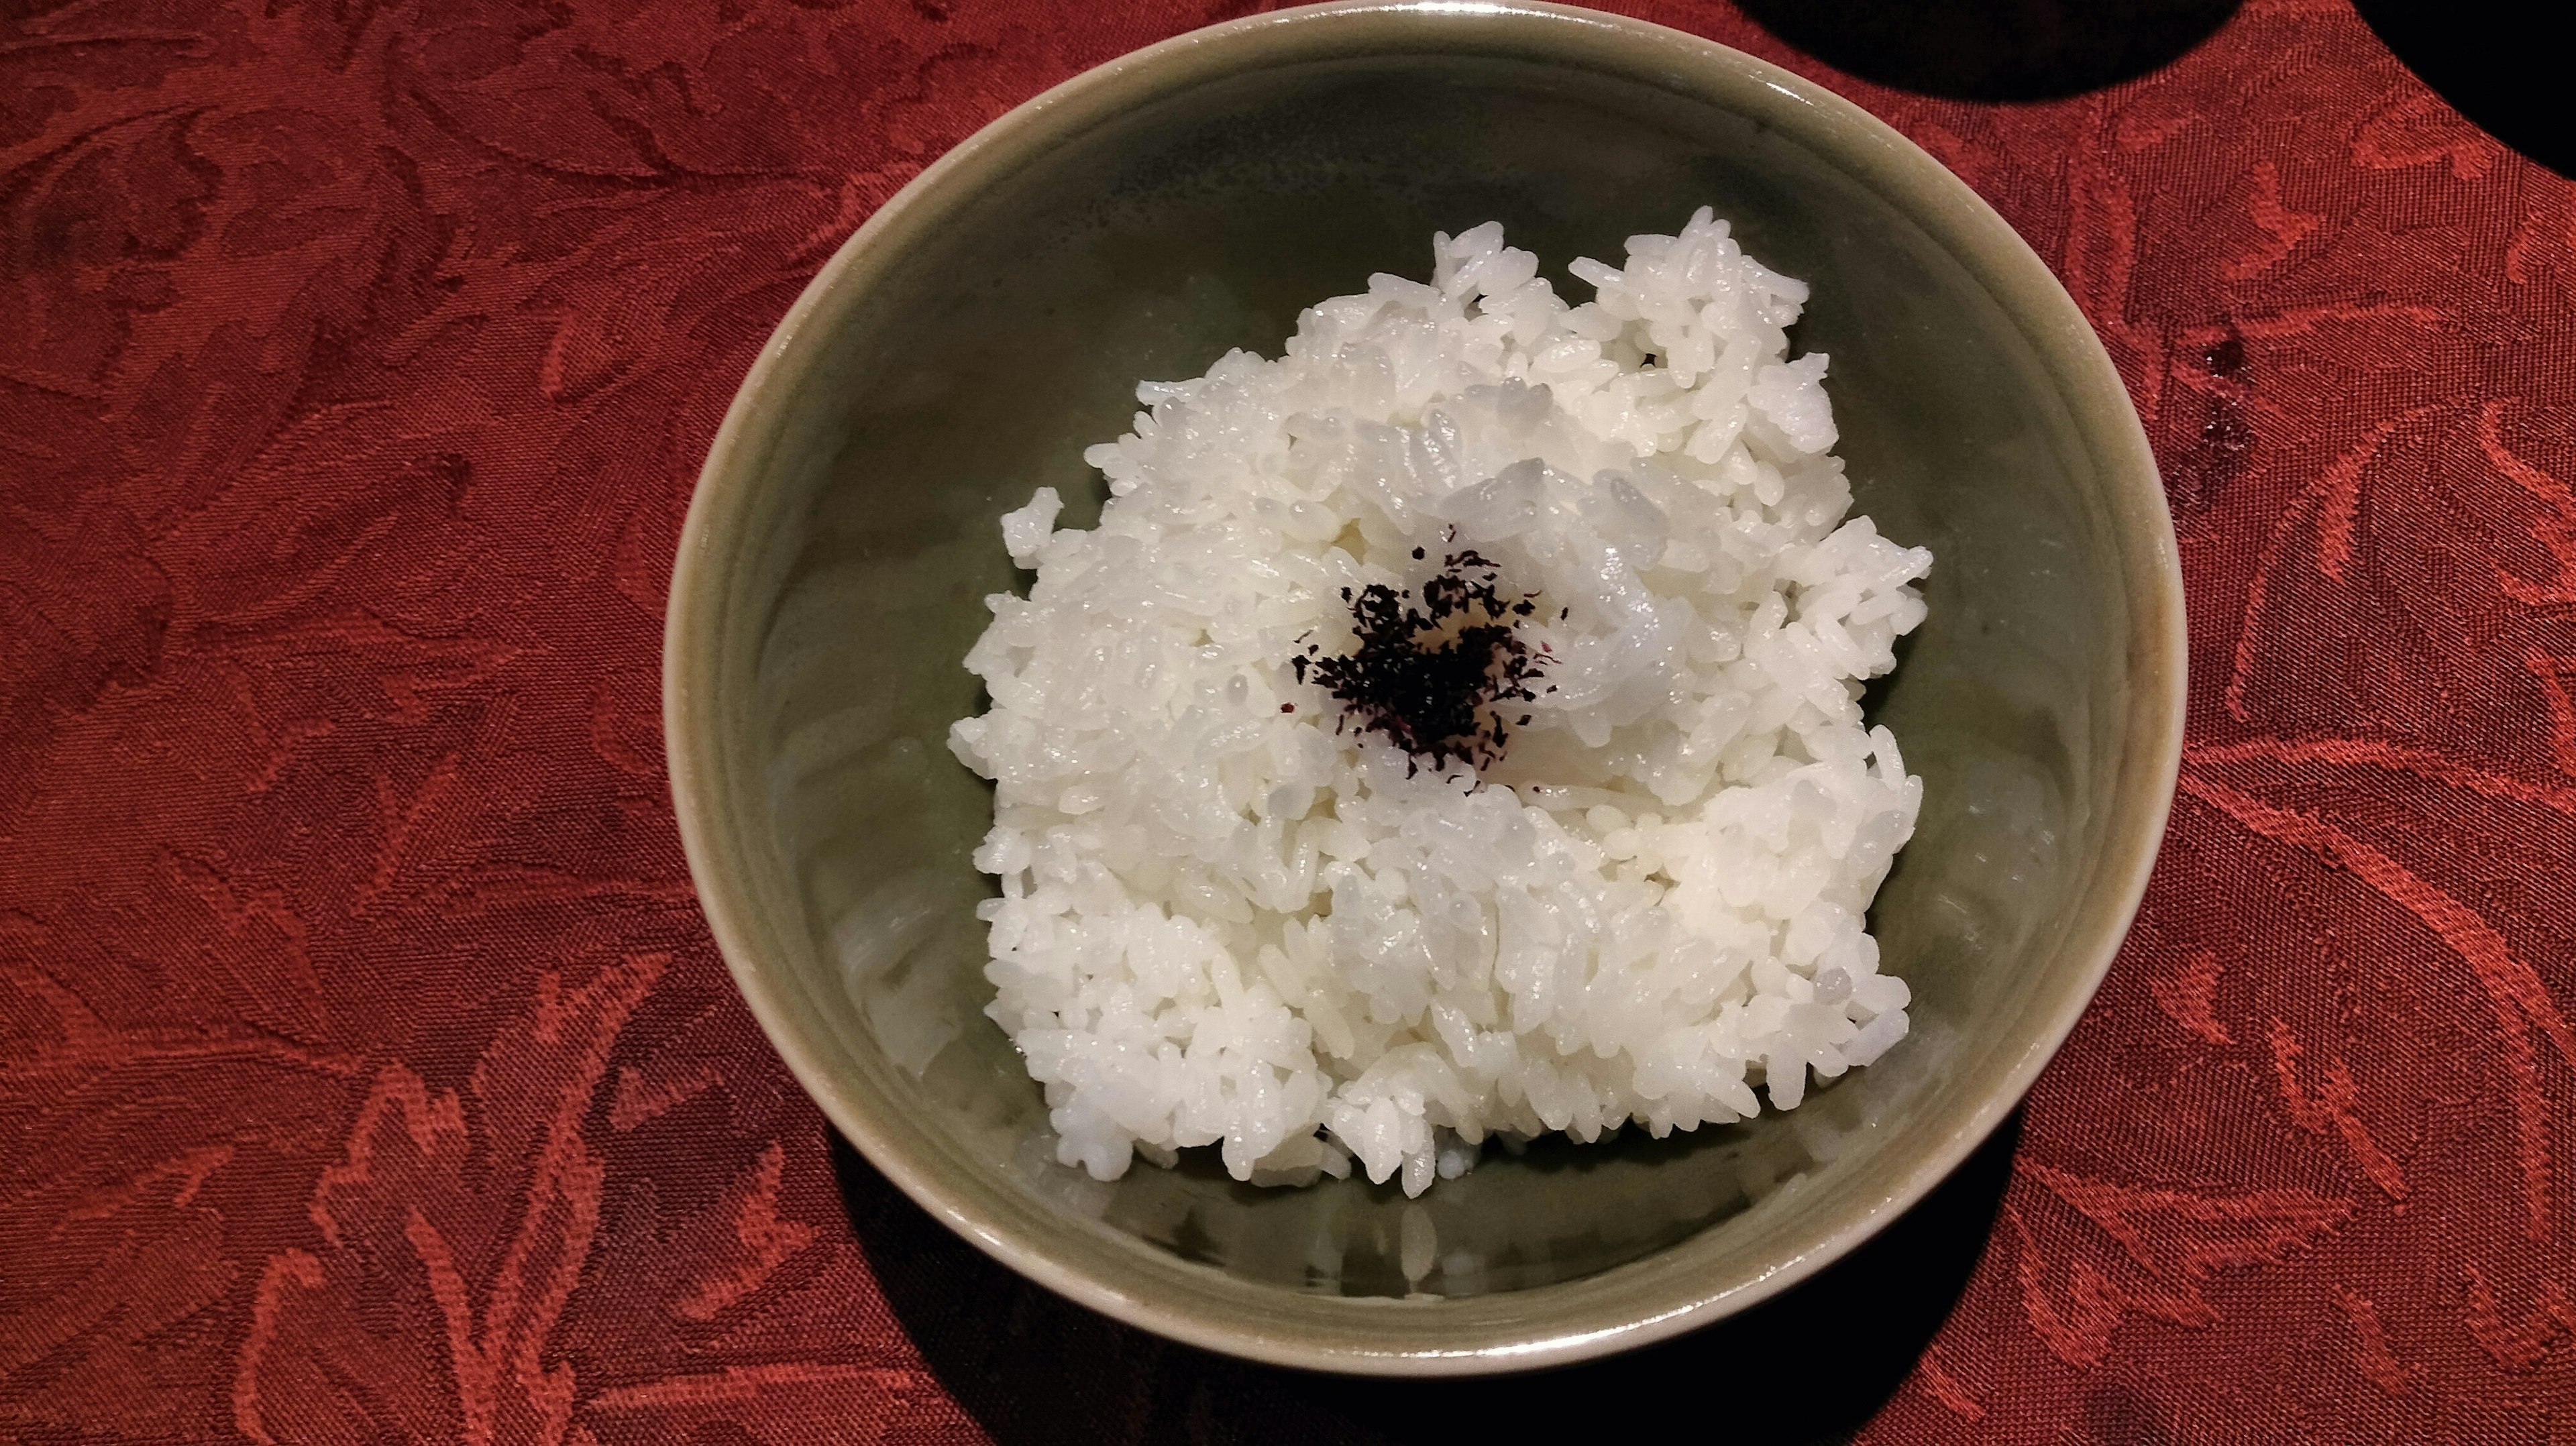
1228 917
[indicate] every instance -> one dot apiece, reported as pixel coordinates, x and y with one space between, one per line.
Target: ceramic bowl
991 321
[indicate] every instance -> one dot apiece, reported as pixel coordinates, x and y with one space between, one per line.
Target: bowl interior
997 326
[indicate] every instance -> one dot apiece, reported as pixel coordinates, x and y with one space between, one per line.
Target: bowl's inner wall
987 357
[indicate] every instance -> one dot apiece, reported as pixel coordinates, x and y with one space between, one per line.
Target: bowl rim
2023 287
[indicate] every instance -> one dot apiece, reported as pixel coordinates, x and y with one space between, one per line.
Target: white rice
1225 923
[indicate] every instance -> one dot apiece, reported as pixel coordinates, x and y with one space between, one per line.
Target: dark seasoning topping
1432 676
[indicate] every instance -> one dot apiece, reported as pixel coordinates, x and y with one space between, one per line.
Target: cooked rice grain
1228 917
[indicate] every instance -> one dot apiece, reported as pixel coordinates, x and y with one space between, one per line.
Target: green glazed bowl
991 321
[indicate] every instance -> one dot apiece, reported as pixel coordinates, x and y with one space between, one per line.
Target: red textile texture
366 1072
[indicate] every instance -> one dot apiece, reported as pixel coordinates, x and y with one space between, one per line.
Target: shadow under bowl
992 320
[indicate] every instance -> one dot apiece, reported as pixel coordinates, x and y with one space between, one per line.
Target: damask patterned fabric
366 1072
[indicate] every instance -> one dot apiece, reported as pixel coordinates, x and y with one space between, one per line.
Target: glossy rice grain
1237 912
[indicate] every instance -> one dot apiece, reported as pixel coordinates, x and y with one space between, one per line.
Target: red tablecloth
366 1072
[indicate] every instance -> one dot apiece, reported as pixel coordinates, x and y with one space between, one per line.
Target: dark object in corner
1994 49
2494 67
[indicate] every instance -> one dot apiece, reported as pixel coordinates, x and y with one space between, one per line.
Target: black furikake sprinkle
1428 676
